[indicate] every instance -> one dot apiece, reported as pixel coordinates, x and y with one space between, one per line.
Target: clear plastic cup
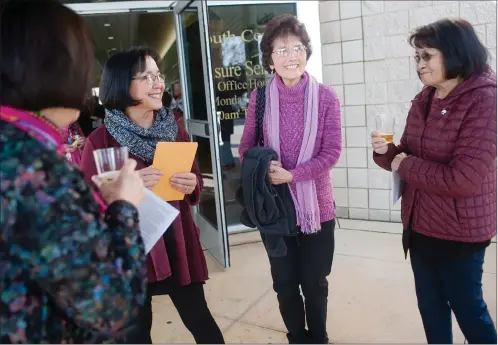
110 161
385 124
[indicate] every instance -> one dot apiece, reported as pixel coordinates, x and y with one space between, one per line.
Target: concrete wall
367 60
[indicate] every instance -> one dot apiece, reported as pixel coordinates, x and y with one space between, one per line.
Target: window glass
235 33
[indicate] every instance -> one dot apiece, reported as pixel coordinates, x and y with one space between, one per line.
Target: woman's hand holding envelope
184 182
150 176
171 158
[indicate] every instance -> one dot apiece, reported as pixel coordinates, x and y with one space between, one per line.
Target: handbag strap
260 113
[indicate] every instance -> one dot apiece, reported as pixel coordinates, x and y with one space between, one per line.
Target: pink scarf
305 200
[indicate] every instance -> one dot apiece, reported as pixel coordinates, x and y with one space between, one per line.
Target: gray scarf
141 141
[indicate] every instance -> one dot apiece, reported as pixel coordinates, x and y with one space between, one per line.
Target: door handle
198 128
218 120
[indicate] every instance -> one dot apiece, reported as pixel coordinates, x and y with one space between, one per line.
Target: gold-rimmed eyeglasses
285 52
151 78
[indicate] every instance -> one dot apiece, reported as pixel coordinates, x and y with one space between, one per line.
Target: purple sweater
328 142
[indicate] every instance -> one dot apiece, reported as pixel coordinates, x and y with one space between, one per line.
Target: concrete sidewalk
371 299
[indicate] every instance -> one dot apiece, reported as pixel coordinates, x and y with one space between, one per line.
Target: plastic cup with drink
109 161
156 215
384 124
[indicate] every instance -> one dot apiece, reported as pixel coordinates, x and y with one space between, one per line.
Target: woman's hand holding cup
69 148
379 144
80 141
127 185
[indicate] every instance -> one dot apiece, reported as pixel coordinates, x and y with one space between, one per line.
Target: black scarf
141 141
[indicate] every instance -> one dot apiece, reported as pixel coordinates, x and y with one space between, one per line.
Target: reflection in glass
233 51
193 63
207 206
196 105
235 35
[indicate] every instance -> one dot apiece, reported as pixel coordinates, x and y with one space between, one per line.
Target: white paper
156 215
397 186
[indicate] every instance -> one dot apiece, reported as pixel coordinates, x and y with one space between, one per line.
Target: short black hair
463 53
118 72
280 27
46 56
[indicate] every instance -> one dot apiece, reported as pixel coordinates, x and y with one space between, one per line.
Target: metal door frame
86 8
215 240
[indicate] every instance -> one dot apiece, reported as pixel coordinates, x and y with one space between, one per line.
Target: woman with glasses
131 91
447 161
302 124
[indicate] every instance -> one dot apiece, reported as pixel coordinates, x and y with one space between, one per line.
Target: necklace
34 124
42 118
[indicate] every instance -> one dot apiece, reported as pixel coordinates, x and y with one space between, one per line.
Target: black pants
307 264
190 302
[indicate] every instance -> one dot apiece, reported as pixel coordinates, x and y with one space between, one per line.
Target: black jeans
190 302
307 264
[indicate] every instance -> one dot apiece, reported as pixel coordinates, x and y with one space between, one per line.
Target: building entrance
176 32
212 62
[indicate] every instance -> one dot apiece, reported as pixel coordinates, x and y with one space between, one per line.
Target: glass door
197 98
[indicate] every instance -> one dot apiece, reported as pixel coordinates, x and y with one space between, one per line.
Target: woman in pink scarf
302 124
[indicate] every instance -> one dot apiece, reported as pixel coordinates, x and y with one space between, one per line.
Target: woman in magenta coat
447 162
131 91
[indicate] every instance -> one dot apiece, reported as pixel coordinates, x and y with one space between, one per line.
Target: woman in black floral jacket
71 269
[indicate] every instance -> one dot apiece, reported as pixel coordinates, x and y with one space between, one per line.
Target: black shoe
302 337
313 340
228 167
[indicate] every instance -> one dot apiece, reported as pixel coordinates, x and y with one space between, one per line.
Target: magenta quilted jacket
450 174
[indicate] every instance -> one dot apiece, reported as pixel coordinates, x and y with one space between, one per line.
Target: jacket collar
487 79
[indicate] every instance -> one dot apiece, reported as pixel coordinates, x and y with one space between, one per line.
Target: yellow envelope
172 158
